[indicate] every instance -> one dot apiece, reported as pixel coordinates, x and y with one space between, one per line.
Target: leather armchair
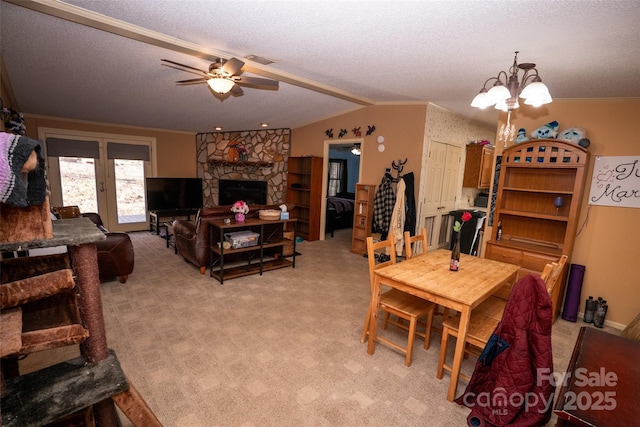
115 253
192 237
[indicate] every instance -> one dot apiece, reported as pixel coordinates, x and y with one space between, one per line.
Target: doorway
100 173
440 189
340 150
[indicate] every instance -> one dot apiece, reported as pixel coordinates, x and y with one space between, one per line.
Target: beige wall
401 125
176 151
608 245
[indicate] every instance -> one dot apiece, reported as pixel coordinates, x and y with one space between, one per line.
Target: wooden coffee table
601 382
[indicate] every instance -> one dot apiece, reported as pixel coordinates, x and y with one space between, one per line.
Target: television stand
156 217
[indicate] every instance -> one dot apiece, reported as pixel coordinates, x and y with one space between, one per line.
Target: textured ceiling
370 51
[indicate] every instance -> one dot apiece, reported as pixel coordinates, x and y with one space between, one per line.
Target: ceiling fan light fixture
355 150
220 85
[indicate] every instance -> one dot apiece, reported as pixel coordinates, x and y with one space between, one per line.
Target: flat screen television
173 193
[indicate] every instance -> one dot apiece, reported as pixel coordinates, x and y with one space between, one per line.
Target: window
337 177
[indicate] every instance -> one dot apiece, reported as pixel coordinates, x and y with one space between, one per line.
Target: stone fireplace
268 151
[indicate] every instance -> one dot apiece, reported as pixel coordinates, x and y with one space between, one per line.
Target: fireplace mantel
240 163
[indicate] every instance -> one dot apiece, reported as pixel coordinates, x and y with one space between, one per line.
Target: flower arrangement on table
454 264
457 226
240 208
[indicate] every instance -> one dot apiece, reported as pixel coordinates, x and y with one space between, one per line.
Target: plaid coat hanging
383 204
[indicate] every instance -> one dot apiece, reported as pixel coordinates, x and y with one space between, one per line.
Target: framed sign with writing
616 181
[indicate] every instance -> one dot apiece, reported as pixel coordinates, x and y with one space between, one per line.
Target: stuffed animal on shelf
573 135
522 136
548 131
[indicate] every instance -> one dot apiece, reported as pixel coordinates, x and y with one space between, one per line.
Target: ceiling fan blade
232 66
236 90
200 80
186 68
255 81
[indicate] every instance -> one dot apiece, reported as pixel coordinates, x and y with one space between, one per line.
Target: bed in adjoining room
339 212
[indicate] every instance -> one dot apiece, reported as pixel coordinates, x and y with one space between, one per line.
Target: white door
100 173
440 180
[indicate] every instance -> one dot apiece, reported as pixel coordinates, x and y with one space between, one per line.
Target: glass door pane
130 194
78 183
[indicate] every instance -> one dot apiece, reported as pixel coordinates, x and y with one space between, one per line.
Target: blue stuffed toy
573 135
522 136
548 131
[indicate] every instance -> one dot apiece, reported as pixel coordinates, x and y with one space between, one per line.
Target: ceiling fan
222 77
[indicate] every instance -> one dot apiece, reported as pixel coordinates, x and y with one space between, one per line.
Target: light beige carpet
281 349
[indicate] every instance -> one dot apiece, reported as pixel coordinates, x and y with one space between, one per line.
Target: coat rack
399 167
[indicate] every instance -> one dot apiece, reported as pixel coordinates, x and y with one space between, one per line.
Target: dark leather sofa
115 253
192 237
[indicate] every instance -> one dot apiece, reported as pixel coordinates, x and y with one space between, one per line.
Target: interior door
441 180
100 173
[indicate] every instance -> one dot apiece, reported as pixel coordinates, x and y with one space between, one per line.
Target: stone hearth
268 152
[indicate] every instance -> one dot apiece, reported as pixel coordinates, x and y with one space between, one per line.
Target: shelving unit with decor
304 190
362 217
270 235
536 229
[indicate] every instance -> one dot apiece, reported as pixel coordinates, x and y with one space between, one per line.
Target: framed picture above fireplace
232 190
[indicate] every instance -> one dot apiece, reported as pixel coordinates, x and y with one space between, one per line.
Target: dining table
428 276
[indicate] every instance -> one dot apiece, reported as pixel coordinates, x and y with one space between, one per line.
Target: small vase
239 217
243 157
454 264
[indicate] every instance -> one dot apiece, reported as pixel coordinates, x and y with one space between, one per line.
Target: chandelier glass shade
220 85
506 89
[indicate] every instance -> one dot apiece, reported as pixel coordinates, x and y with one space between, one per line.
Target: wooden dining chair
419 241
398 303
485 318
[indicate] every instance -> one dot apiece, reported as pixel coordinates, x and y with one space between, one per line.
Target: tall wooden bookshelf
534 174
304 190
362 217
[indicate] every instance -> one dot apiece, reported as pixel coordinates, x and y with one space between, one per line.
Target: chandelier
506 89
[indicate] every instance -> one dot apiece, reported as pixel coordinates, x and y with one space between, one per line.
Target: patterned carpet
281 349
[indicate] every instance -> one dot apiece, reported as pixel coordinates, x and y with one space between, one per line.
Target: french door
100 173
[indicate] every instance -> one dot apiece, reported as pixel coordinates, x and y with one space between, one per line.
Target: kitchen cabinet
538 206
478 166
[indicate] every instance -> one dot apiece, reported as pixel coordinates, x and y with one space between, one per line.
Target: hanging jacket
396 225
383 204
410 203
514 387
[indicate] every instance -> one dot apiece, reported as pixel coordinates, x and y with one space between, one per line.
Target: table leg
465 314
373 309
